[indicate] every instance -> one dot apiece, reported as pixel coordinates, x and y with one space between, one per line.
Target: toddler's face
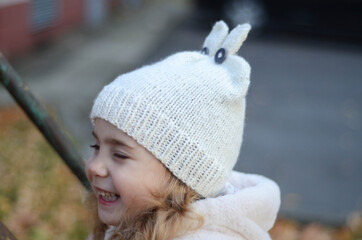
121 171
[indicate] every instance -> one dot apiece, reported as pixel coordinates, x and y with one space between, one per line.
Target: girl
166 139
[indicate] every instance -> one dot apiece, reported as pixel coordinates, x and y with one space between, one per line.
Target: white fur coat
246 211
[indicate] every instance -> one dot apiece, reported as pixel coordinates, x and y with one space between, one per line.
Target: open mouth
107 197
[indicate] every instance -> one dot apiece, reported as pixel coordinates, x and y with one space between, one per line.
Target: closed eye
95 146
120 156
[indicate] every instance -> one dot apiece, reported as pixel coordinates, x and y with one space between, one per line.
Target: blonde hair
166 215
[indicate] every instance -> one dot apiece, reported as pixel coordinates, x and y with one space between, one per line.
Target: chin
108 219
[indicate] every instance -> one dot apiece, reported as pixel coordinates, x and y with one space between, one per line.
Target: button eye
220 55
205 51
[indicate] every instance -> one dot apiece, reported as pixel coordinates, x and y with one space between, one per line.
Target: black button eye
220 55
205 51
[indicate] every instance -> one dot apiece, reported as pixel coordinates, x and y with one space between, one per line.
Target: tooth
107 196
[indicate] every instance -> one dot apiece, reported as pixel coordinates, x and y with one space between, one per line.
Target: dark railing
5 234
44 122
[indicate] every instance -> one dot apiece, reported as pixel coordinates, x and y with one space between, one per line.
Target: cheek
157 176
124 184
131 187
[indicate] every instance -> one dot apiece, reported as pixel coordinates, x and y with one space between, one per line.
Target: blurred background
304 107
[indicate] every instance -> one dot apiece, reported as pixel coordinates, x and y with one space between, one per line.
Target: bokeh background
304 107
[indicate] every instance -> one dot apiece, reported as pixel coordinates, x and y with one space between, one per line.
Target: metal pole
5 234
41 118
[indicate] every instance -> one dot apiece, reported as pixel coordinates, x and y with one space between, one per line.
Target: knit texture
187 110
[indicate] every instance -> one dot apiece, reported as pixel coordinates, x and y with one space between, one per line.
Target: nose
96 166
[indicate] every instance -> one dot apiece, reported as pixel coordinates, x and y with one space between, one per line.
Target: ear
236 38
215 38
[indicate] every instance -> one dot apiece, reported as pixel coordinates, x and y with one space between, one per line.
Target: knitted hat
187 110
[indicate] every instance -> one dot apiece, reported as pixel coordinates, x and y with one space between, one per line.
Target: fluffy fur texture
245 212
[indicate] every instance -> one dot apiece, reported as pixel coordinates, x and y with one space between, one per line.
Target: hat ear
236 38
215 38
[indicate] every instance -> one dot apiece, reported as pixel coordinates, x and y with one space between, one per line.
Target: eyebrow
113 141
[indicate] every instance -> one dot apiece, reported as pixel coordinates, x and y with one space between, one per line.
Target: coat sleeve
203 234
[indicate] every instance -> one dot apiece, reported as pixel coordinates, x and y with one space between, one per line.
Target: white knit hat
188 109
